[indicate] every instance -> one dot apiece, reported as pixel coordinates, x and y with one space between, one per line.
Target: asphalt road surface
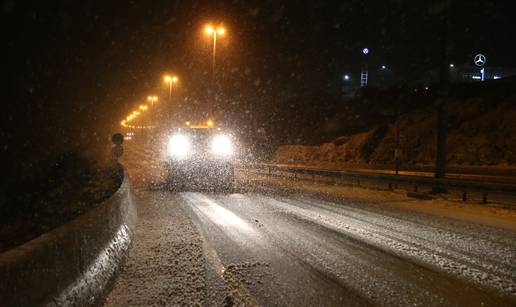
263 245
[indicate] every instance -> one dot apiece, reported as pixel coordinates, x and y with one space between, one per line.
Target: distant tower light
384 67
346 77
452 65
364 72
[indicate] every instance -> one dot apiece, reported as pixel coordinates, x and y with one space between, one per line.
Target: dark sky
75 68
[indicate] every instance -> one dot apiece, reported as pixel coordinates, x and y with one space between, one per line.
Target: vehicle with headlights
200 157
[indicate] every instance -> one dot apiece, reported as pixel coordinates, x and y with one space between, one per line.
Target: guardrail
416 181
71 265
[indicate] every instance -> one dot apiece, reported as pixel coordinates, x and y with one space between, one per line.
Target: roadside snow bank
345 149
480 133
166 266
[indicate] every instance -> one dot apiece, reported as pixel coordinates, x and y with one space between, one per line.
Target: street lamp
210 30
170 79
152 99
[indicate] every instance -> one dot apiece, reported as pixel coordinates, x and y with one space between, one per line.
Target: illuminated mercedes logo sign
480 59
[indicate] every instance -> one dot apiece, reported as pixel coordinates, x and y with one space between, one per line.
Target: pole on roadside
442 122
397 149
214 54
213 32
213 75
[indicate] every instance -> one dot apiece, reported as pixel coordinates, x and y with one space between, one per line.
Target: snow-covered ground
166 265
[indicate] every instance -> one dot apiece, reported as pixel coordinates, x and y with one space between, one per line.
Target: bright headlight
178 146
221 145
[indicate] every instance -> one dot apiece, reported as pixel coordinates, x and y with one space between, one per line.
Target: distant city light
384 67
346 77
496 77
365 51
476 77
452 65
426 88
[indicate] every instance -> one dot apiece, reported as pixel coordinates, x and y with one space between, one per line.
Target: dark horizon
75 70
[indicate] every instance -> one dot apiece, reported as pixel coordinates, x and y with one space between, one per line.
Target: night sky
75 68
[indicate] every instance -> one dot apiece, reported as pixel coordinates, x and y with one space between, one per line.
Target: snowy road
302 251
268 246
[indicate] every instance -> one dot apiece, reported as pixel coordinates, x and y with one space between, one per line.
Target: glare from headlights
221 145
178 146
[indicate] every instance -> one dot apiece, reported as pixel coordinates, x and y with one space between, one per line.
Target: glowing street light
152 99
210 30
170 79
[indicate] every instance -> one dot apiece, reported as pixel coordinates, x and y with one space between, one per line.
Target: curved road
265 246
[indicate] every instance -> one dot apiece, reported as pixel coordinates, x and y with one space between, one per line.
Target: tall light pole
170 80
212 31
152 100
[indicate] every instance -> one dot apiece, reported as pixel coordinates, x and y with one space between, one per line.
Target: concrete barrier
71 265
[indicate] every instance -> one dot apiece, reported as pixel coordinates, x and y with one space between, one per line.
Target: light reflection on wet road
323 253
273 248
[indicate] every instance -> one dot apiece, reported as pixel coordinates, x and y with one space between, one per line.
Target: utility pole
442 123
212 31
397 149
